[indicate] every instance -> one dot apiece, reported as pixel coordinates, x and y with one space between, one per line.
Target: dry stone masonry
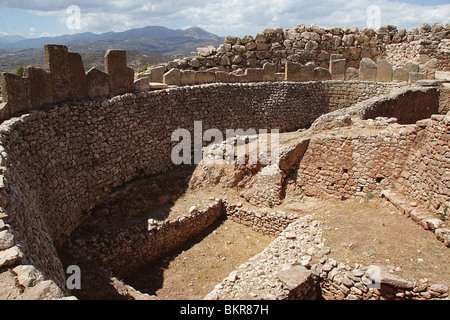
370 118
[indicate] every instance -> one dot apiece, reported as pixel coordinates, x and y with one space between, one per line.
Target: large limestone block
402 74
187 77
416 76
351 74
77 77
15 93
269 71
120 77
172 77
202 77
157 74
254 75
337 69
57 64
384 71
321 74
97 83
296 72
222 76
41 90
367 70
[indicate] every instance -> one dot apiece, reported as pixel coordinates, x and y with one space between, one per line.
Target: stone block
57 64
202 77
97 83
321 74
292 71
402 74
15 93
337 69
384 71
222 76
120 77
415 76
157 74
41 90
172 77
142 84
254 75
307 71
187 77
351 74
269 71
77 77
367 70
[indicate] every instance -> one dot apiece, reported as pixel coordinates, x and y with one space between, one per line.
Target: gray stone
381 275
384 71
28 275
41 90
294 277
15 93
97 83
367 70
142 84
45 290
351 74
439 288
172 77
120 77
187 77
254 75
77 77
415 76
269 71
321 74
206 51
202 77
57 64
9 256
157 73
6 239
337 69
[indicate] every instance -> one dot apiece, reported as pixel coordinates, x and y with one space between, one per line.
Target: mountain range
150 45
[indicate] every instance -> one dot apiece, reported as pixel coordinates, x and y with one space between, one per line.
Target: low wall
59 163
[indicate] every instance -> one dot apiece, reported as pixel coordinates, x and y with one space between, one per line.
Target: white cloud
234 16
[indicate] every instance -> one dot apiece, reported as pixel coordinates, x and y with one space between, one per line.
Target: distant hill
10 60
153 39
148 45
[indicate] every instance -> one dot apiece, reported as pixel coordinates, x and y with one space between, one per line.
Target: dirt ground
193 272
357 231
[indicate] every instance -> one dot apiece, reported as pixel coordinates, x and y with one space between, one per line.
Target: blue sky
33 19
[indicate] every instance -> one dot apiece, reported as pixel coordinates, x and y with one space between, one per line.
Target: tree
20 71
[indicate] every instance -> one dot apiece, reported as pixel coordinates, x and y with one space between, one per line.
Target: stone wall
64 79
425 175
59 163
304 44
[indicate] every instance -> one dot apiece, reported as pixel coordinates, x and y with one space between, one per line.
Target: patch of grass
369 196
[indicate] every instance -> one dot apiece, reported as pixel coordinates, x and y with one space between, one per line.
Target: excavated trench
127 246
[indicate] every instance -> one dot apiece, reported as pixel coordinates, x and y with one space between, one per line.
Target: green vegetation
20 71
443 216
144 68
369 196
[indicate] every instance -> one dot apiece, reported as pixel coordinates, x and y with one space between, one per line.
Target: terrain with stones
352 205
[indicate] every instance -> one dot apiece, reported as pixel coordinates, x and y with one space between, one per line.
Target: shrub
20 71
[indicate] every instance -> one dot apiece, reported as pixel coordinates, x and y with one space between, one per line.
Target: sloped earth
358 231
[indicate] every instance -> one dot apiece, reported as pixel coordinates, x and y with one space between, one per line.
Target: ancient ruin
87 177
